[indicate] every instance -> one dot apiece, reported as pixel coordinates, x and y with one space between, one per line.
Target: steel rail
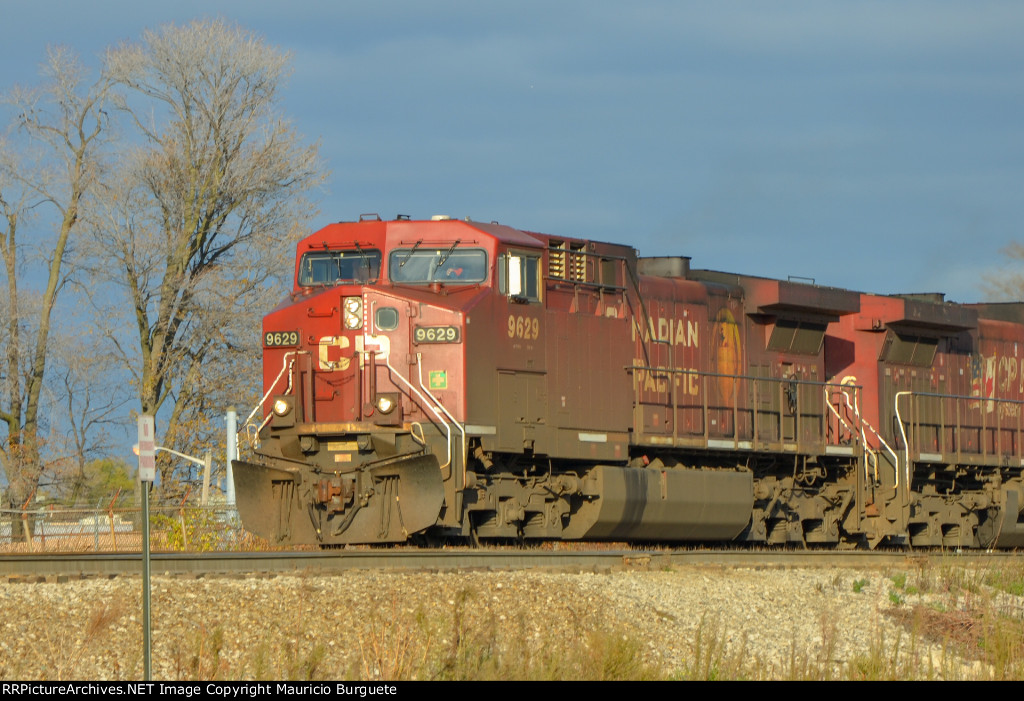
328 562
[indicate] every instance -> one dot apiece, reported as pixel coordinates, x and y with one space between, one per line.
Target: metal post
147 645
232 453
207 464
147 475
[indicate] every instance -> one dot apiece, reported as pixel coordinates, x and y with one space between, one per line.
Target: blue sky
877 146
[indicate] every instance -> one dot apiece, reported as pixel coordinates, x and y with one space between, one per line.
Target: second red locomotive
445 378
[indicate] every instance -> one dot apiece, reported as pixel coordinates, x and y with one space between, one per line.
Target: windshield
443 264
331 267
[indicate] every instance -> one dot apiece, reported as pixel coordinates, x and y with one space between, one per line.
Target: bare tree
46 185
1008 283
93 407
205 210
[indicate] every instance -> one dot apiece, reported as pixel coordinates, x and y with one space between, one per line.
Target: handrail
985 405
855 406
285 365
870 455
903 433
797 397
465 454
384 343
704 373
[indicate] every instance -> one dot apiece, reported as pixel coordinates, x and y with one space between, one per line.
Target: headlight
353 307
282 407
386 404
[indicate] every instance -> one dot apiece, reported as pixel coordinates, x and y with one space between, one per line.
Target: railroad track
242 563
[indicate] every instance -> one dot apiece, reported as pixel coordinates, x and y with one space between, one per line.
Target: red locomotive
444 378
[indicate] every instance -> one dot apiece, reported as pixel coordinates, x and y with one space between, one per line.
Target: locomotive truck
454 379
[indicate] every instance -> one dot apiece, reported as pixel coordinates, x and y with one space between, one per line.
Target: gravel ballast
385 624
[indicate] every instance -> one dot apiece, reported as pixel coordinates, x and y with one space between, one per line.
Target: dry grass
974 614
455 646
54 653
399 645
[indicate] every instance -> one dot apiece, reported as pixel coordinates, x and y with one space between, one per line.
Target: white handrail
465 457
903 433
870 455
882 442
385 345
285 365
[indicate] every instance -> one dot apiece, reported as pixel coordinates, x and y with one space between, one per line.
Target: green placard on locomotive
438 379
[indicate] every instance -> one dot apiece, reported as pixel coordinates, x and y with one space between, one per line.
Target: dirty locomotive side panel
457 379
752 400
995 388
943 468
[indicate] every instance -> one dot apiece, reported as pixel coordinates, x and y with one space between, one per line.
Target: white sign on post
147 449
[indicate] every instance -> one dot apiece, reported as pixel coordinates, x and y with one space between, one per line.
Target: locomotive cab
367 412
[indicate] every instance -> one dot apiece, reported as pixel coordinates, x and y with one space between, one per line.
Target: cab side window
519 276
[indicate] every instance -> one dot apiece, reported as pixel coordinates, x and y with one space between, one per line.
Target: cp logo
329 342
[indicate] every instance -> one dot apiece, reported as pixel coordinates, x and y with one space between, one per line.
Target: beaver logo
728 352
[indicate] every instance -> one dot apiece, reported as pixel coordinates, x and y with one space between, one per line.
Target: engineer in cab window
454 272
464 266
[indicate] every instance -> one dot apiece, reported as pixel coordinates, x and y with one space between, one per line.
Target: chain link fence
118 529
